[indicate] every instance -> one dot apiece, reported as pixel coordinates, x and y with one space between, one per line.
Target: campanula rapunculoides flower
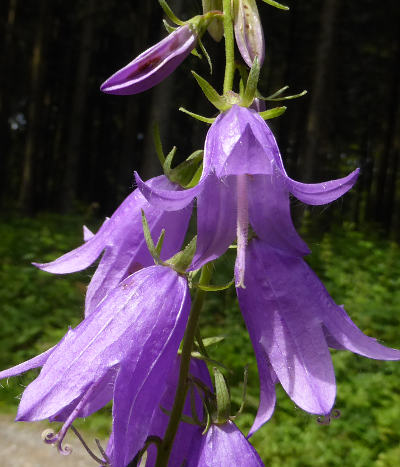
249 33
153 65
244 182
122 350
122 240
292 320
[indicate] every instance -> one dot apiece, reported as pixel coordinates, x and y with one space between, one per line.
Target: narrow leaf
204 50
170 13
214 288
168 160
158 143
211 94
168 27
223 398
284 98
251 86
160 242
149 240
197 116
276 4
207 341
272 113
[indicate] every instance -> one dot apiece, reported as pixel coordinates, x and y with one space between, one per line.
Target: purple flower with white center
122 240
124 350
153 65
224 446
244 182
292 320
249 33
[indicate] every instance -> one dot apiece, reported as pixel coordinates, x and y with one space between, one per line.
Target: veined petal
269 211
292 338
132 323
153 65
169 200
216 219
225 446
322 193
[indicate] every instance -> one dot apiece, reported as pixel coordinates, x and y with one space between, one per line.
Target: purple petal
132 323
139 384
276 304
167 199
34 362
322 193
240 142
153 65
269 210
87 234
249 32
216 219
225 446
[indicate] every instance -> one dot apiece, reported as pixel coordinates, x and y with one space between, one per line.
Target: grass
360 271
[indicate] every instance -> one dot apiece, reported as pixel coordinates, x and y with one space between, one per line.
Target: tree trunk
26 201
318 103
76 123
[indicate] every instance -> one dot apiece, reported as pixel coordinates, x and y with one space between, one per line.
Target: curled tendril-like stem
49 436
103 462
326 419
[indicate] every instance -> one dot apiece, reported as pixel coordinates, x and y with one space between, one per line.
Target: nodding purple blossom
153 65
292 321
244 183
249 33
122 240
124 350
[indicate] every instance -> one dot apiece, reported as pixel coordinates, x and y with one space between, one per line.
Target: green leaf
272 113
211 94
211 361
212 340
168 161
197 116
148 238
203 49
283 98
160 242
276 4
277 93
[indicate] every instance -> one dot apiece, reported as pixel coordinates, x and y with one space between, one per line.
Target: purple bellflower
244 182
122 240
153 65
292 320
249 33
124 350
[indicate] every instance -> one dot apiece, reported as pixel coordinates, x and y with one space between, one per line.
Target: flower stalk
164 450
229 46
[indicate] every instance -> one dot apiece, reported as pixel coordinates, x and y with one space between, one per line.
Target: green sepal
184 173
168 27
196 177
200 23
251 85
160 242
283 98
216 100
214 288
203 49
197 116
209 360
207 341
196 53
170 14
168 161
181 261
149 241
158 143
193 407
222 396
276 4
244 392
272 113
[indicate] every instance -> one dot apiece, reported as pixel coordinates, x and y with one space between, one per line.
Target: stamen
50 437
242 228
326 419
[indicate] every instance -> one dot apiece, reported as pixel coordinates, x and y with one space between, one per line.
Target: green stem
229 46
164 449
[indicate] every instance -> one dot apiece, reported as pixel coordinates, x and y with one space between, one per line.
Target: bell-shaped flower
123 350
122 240
249 32
244 182
292 321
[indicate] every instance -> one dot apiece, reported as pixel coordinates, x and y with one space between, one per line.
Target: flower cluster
139 306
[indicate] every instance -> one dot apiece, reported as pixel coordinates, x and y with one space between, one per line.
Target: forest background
68 152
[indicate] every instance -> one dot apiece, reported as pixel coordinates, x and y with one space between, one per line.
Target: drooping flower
292 321
122 350
122 240
249 33
244 182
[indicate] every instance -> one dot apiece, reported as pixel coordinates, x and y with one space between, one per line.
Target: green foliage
359 270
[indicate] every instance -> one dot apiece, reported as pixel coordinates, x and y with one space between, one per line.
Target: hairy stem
229 46
165 448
